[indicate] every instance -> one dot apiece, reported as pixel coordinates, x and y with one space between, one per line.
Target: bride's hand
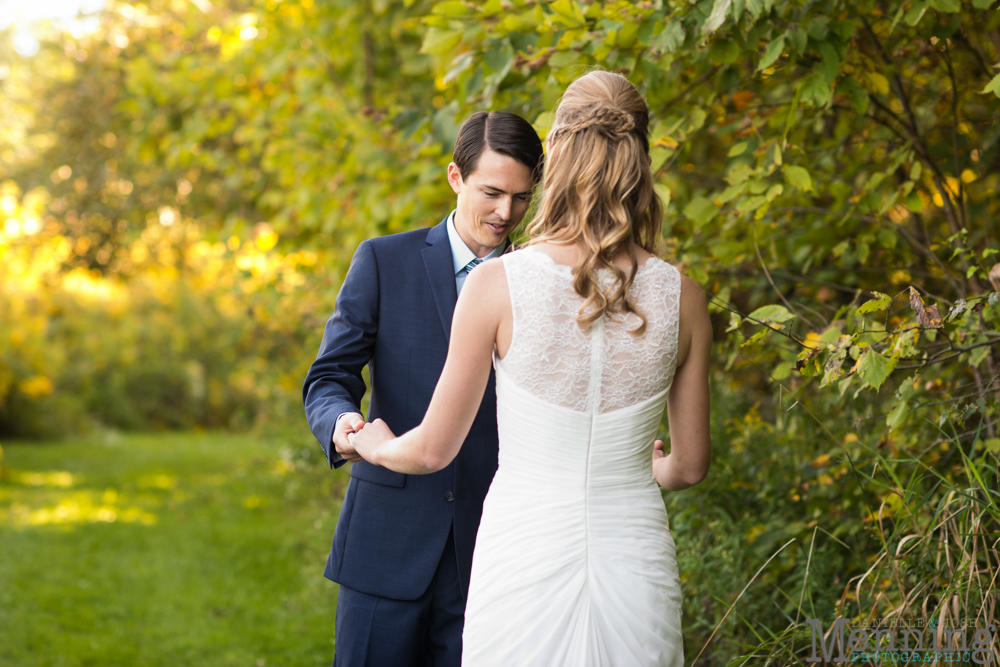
658 452
367 441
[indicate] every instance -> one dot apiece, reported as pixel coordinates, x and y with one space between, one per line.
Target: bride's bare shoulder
693 305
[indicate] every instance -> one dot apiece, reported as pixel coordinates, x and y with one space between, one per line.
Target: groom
402 551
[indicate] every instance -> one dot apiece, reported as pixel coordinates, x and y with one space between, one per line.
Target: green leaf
798 176
913 15
738 174
982 4
439 42
717 17
738 149
700 210
732 192
992 87
992 445
659 155
972 269
816 89
873 368
664 192
491 8
857 93
898 414
696 118
798 38
831 61
978 355
773 314
772 53
672 37
723 52
947 6
880 302
751 203
735 321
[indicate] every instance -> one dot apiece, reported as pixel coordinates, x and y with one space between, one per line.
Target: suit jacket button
449 496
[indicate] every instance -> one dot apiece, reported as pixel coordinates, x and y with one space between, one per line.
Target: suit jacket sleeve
334 384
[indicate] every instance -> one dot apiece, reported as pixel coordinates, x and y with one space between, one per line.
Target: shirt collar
460 253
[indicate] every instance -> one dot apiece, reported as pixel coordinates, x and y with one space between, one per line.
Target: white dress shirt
461 255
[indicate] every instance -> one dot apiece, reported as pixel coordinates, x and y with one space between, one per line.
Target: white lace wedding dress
574 562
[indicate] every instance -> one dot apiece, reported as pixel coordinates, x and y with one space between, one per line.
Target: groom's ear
455 177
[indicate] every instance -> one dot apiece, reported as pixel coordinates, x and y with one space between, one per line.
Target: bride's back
604 367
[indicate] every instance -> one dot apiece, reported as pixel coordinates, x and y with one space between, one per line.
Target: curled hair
598 189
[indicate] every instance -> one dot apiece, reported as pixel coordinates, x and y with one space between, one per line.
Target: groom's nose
503 208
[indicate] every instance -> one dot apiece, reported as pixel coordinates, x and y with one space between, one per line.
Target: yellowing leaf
877 82
880 302
569 11
812 340
451 8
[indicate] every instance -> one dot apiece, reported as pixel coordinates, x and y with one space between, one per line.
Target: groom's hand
348 423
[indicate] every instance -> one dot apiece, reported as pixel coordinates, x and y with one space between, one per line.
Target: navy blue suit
394 314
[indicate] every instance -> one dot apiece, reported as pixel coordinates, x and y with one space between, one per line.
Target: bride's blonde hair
598 188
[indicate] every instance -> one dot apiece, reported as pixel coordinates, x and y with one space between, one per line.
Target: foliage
811 155
202 334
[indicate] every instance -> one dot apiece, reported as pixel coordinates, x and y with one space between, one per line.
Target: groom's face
491 200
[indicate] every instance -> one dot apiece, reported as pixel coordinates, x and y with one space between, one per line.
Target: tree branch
911 126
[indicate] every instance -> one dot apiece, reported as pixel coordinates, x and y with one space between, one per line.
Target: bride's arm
432 445
688 402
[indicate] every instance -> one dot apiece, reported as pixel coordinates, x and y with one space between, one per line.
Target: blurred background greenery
183 183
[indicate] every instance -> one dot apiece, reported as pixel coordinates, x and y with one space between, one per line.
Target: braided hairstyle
598 189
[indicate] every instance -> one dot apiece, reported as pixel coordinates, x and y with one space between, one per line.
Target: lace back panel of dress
550 355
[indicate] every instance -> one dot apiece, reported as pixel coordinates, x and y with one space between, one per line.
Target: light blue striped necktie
467 269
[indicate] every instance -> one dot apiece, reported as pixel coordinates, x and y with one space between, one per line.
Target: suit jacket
394 313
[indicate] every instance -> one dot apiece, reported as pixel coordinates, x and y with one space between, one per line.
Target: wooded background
181 192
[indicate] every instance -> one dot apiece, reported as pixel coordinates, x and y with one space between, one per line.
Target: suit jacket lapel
441 274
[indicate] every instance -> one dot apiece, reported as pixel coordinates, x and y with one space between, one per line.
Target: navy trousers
373 631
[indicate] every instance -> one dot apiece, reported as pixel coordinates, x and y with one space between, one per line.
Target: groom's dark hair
505 133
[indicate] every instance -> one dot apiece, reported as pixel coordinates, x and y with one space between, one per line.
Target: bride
591 336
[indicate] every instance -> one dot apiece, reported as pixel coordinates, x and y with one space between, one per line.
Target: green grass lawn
168 549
